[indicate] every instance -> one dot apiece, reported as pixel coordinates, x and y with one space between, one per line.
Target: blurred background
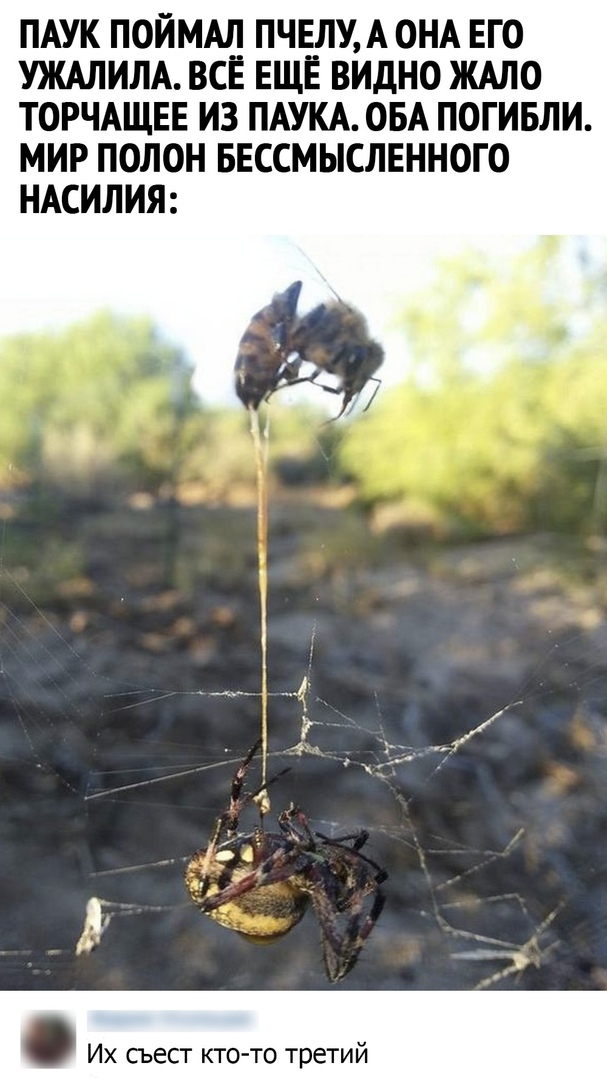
437 570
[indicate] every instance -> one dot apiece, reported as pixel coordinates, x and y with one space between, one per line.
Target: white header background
554 183
56 266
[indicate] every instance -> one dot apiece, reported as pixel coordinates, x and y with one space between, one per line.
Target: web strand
260 444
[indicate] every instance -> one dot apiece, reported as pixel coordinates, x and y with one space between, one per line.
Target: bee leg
287 376
372 398
312 379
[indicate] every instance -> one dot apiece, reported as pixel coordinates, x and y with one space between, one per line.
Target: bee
264 348
333 338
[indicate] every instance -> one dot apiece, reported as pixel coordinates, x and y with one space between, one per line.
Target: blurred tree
92 404
220 453
501 423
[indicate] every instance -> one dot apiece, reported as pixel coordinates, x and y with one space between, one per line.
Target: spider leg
230 818
279 866
360 839
303 834
341 948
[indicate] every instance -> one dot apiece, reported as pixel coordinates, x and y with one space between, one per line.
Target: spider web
453 710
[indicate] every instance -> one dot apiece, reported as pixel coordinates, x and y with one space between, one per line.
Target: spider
261 883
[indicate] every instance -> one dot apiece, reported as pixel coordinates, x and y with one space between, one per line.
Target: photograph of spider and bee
303 661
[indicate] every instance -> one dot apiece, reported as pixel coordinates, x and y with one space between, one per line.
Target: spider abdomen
262 914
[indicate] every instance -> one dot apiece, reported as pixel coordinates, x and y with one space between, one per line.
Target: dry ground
114 646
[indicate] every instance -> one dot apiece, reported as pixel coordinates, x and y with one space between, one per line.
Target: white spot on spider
247 853
226 855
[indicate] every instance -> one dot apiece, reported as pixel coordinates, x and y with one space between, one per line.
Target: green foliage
218 451
302 443
501 423
92 405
